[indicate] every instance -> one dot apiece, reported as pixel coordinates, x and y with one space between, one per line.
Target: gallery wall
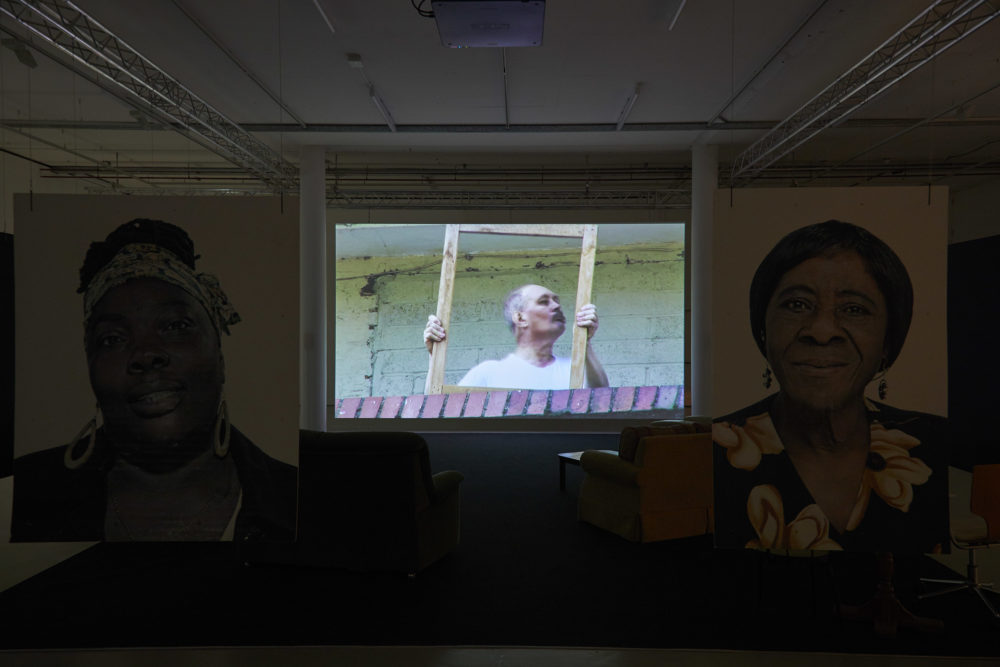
20 561
6 353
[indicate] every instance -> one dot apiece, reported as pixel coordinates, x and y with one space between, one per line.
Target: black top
902 505
53 503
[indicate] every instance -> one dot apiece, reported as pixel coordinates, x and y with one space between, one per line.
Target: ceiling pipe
506 91
627 109
326 19
354 62
680 126
677 15
380 105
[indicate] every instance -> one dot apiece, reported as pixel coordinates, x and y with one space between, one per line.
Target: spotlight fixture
489 23
142 118
20 49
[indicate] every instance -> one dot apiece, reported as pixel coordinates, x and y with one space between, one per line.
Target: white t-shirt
513 372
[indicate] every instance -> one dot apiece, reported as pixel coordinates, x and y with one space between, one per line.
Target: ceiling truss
937 28
64 27
392 187
77 41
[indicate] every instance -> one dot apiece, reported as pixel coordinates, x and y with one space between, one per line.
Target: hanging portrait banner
829 396
155 400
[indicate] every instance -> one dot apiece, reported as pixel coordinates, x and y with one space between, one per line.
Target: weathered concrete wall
382 304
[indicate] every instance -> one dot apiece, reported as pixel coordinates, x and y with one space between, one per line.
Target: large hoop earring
221 432
89 431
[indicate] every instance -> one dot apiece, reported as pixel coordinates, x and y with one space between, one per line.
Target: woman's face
155 363
825 330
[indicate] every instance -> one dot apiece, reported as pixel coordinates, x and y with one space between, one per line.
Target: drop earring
883 386
220 433
766 375
89 431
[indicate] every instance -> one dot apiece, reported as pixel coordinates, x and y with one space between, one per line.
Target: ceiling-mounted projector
489 23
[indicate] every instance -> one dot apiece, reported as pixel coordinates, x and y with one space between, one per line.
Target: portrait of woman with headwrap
160 460
818 465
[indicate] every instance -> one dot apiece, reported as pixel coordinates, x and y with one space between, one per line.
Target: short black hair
811 241
141 230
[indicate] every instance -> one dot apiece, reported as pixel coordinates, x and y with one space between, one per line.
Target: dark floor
527 574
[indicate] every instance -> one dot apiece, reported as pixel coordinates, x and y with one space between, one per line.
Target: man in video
537 321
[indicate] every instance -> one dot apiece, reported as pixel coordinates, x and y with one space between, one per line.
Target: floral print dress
901 505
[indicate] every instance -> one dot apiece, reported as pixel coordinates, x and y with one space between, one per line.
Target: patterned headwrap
148 260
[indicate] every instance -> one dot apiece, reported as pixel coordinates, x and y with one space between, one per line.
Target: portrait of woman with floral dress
816 464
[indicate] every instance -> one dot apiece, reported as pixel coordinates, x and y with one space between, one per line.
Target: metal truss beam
937 28
645 199
673 195
66 28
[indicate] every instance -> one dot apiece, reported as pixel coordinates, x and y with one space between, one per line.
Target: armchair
368 502
657 487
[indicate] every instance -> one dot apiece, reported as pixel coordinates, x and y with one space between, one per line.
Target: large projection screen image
510 327
157 369
830 370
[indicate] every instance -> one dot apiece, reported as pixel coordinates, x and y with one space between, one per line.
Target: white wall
973 214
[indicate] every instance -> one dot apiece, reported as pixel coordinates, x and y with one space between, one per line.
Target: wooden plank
578 358
458 389
446 289
435 373
561 231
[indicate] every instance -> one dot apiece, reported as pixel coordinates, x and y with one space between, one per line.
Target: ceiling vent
489 23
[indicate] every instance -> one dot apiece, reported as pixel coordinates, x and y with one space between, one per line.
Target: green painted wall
382 304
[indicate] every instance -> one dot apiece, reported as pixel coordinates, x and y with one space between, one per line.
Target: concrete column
704 182
312 288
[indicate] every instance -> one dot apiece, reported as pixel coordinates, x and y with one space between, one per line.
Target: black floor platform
526 573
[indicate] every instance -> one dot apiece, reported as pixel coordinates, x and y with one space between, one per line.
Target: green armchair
657 487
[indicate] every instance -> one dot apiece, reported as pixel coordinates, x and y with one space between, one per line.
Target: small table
573 458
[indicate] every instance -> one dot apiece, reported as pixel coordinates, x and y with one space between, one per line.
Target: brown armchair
368 502
657 487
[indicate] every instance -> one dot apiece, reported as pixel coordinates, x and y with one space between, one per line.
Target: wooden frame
588 234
